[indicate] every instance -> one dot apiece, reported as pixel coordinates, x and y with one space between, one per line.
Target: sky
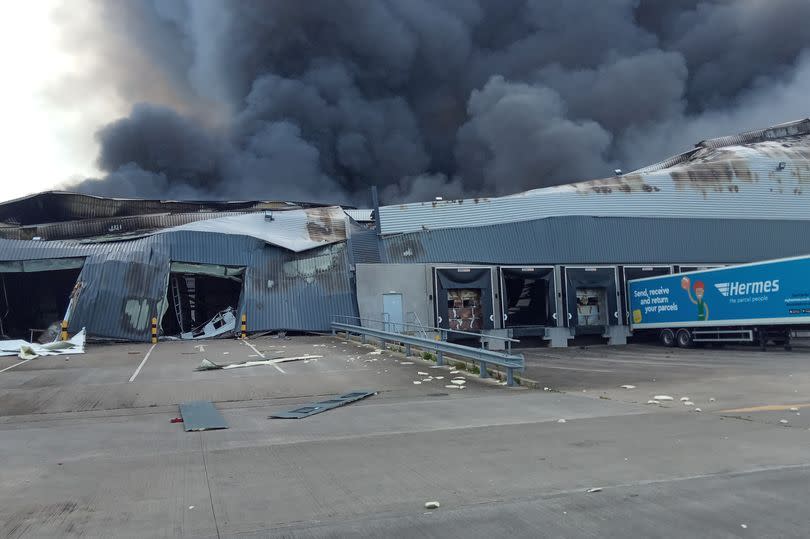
318 100
43 142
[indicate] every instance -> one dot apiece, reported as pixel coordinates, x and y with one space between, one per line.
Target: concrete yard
89 450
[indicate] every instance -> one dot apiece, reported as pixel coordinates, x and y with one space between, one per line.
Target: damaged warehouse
284 266
551 263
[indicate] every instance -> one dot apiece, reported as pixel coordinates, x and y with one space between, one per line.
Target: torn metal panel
27 350
201 415
322 406
221 324
296 230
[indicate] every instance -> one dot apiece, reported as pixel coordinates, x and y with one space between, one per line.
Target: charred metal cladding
551 263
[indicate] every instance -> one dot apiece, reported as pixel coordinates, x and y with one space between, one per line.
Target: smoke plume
321 99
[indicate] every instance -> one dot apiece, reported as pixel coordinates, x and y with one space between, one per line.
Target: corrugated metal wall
124 281
605 240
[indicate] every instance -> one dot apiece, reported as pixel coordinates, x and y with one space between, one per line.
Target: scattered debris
427 379
561 421
322 406
191 507
743 526
662 398
794 409
207 365
417 382
420 373
201 415
454 371
653 401
546 389
698 410
688 403
712 399
223 322
783 421
376 352
406 362
440 378
628 386
27 350
450 386
176 420
432 505
458 382
684 399
594 489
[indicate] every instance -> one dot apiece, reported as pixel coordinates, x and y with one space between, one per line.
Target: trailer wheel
684 338
667 337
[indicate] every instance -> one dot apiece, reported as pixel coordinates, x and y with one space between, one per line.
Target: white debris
432 505
684 399
628 386
376 352
450 387
712 399
561 421
653 401
427 379
744 526
595 489
783 421
453 371
417 382
794 409
545 389
27 350
458 382
688 403
663 398
420 373
191 507
406 362
440 378
698 410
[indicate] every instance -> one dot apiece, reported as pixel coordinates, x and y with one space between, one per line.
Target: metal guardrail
443 332
483 357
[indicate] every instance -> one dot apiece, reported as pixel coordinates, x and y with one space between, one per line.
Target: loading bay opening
35 295
201 300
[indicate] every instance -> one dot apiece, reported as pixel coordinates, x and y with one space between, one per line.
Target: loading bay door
528 298
591 298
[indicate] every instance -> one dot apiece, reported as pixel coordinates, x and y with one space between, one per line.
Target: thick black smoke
320 99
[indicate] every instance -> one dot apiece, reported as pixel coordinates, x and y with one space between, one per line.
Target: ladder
177 301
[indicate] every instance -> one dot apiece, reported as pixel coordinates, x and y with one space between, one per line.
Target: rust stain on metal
323 225
630 183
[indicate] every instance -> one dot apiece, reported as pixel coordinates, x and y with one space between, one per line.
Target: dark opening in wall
528 298
194 299
34 300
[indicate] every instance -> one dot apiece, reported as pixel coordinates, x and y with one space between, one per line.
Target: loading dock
464 298
591 299
528 299
197 294
35 294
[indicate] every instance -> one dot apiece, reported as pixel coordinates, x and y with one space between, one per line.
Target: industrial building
551 262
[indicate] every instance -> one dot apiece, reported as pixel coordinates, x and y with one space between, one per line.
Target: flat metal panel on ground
201 415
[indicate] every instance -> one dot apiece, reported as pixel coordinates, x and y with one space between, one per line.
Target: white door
392 312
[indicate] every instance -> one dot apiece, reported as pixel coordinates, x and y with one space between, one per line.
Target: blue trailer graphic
764 293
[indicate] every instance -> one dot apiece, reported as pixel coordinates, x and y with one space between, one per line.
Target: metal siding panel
592 240
732 182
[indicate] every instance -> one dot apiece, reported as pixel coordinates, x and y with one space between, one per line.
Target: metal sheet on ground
322 406
201 415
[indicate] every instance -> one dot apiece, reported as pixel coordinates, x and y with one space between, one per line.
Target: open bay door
528 299
464 299
591 299
36 295
202 300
